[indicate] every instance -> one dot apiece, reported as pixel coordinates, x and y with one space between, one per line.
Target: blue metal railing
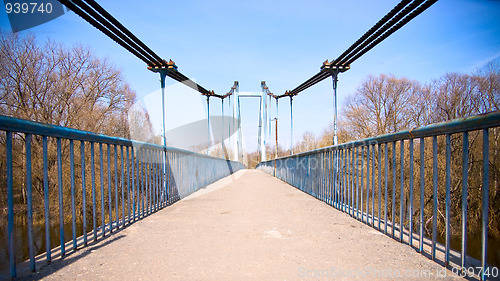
344 176
143 177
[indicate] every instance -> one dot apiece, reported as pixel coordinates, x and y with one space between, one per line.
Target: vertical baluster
139 183
422 193
410 208
122 183
485 189
402 190
157 180
46 199
321 177
29 189
362 181
349 178
110 202
447 202
146 174
103 221
393 188
341 179
72 175
92 174
10 206
465 192
434 194
84 194
61 201
135 180
157 176
116 188
165 177
386 183
373 185
368 184
379 183
344 173
128 183
153 179
143 173
357 183
353 181
335 165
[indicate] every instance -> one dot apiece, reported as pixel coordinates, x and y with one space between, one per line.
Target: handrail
115 180
338 176
476 122
18 125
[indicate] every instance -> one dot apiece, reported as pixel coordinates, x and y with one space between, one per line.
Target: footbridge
115 208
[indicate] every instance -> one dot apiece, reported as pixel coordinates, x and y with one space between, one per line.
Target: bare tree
63 86
70 87
382 105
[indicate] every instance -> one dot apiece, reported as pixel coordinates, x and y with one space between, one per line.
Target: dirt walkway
249 226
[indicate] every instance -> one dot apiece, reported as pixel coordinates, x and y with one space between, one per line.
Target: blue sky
284 43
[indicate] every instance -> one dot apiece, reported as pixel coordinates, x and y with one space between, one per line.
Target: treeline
66 86
387 104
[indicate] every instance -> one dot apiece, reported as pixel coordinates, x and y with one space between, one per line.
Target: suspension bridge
175 214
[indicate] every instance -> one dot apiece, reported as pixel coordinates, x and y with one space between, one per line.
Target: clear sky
283 43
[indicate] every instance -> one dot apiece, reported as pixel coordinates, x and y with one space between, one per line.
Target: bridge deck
246 226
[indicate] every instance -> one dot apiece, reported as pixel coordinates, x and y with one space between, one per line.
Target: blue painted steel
353 182
373 186
155 180
486 195
362 183
103 217
410 207
335 177
143 181
434 195
10 206
146 182
367 184
122 183
348 176
357 183
447 203
393 228
29 191
341 199
110 203
291 125
291 169
422 194
135 183
386 149
379 183
402 190
61 200
128 184
346 182
163 184
46 199
465 193
115 167
84 194
92 173
72 180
